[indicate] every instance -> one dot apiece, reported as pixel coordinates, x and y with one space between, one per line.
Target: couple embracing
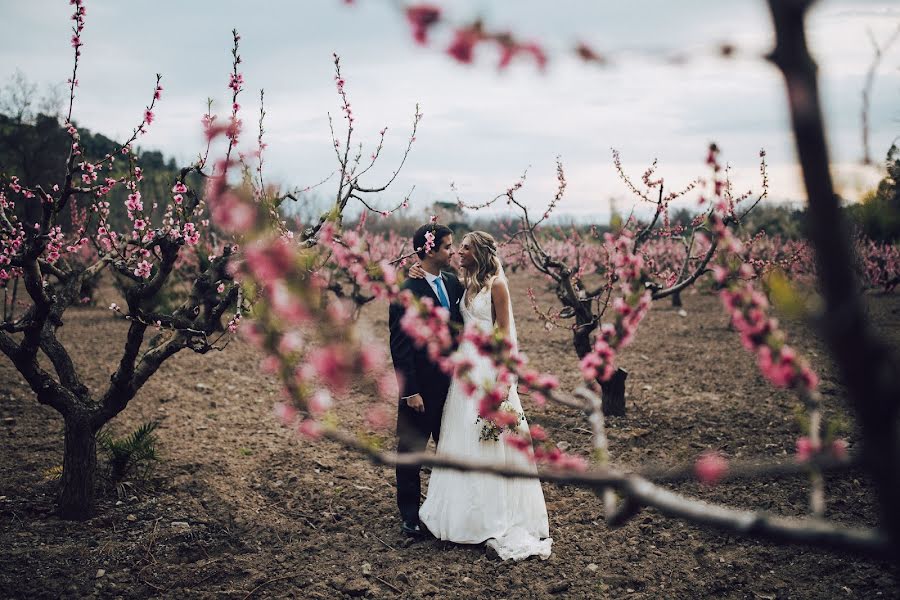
463 507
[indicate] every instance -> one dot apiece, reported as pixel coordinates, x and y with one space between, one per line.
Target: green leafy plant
134 454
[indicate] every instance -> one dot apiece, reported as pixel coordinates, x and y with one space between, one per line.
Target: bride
471 507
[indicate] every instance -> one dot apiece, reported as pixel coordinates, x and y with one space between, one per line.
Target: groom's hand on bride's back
415 402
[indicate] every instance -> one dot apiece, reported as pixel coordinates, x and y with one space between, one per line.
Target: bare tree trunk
76 495
614 394
613 391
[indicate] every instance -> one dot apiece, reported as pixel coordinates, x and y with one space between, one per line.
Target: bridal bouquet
507 417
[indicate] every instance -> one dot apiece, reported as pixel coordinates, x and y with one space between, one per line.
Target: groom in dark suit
423 386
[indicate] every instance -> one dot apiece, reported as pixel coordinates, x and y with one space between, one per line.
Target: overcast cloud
481 128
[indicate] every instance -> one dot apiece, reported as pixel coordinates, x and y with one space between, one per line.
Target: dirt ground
239 507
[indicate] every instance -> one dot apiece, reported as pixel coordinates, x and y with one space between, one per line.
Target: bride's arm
500 306
500 301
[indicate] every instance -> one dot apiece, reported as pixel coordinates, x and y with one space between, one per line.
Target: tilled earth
240 507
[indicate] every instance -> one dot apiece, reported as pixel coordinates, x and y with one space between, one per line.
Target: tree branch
638 489
868 366
700 270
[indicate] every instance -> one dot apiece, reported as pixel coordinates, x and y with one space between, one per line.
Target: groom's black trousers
416 372
413 430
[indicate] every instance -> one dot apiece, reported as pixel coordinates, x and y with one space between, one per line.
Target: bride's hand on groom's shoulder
416 271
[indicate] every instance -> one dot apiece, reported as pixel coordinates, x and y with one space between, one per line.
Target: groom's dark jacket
416 373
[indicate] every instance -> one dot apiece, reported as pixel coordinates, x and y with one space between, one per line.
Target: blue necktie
438 284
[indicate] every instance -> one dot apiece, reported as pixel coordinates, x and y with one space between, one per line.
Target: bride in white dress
469 507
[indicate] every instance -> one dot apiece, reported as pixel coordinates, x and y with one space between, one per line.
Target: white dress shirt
432 281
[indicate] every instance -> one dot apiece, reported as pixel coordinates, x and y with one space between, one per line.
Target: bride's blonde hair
487 265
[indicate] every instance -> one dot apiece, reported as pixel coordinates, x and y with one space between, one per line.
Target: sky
482 128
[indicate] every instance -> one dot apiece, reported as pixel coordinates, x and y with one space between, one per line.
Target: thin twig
386 545
382 581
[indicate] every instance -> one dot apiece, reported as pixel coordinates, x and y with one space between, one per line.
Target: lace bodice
479 310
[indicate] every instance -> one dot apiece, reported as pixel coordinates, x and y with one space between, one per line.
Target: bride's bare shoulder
499 289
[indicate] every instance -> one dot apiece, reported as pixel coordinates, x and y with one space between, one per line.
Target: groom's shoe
412 529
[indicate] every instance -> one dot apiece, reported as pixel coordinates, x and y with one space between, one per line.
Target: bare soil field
240 507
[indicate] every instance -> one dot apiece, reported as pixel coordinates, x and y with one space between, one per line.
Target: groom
423 386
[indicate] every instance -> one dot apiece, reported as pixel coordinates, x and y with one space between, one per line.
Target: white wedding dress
469 507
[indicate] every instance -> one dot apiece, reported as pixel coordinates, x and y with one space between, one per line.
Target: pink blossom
809 378
711 467
143 269
285 412
269 365
339 313
290 343
235 81
285 305
429 242
839 449
388 272
231 213
599 363
422 17
509 49
518 442
378 417
310 428
489 403
547 381
320 402
463 46
331 365
537 433
569 462
134 202
720 273
805 449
